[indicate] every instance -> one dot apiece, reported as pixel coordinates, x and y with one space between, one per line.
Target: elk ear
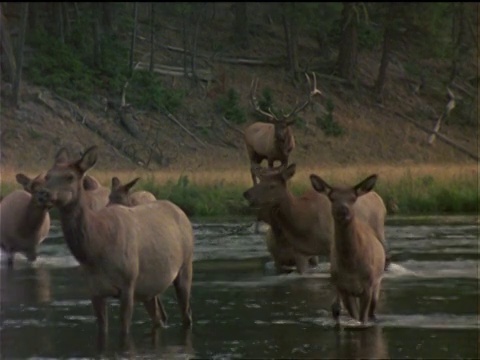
23 180
89 183
366 185
289 172
62 156
37 183
115 183
129 185
320 185
88 160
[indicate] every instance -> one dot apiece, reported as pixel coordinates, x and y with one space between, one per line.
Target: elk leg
373 303
313 261
126 310
365 301
154 308
10 256
336 307
100 309
182 284
300 262
350 304
163 313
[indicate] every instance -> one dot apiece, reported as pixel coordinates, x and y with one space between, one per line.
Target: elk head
283 121
343 198
119 192
272 186
64 181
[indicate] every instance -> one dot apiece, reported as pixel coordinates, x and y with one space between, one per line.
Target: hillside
374 134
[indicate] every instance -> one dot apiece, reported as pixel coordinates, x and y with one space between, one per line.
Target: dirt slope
31 134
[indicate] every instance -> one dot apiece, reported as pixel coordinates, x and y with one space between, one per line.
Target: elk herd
132 246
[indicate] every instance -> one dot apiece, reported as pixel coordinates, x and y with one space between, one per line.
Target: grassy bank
416 189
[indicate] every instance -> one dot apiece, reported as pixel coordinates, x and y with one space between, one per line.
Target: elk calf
119 194
273 141
126 253
357 257
24 222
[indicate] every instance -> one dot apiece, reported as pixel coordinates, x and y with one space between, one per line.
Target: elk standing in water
126 253
24 222
357 258
306 221
120 195
274 140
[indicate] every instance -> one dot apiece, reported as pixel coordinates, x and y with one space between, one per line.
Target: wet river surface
241 309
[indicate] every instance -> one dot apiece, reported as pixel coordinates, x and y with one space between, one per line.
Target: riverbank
406 190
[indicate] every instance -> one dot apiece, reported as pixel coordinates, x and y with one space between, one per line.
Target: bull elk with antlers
273 141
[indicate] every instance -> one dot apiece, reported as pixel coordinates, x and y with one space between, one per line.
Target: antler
314 91
253 100
260 171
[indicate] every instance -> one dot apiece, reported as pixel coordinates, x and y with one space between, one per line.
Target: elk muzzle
342 213
249 197
44 197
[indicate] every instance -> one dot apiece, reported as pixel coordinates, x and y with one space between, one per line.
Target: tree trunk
97 51
289 27
66 20
21 42
185 43
347 55
152 37
33 16
240 24
108 16
194 47
387 44
59 21
458 34
8 56
134 36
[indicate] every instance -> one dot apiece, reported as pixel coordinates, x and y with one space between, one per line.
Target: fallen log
442 137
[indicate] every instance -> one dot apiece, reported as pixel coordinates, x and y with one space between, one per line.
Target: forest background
163 89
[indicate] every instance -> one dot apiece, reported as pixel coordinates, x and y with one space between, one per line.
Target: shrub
147 92
229 107
328 124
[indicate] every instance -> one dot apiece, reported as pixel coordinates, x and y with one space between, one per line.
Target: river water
241 309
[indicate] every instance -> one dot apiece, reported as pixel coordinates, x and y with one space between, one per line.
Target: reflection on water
241 308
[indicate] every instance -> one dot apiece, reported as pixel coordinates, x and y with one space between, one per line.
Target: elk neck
285 214
79 228
34 218
346 239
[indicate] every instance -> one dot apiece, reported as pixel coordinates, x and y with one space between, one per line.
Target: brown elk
283 254
273 141
120 194
357 258
24 222
126 252
305 221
